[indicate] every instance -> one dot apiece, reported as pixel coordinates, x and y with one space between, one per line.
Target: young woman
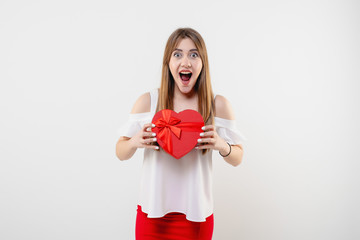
176 194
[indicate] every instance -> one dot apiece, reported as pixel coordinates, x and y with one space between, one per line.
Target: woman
176 194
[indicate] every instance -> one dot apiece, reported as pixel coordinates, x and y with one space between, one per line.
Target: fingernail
196 147
154 139
154 134
199 140
153 125
148 129
203 128
201 134
156 147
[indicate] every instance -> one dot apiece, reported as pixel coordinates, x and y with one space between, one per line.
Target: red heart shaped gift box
177 133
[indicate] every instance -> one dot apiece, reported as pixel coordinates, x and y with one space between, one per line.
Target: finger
149 134
152 147
206 140
207 134
148 126
149 140
145 141
205 146
208 127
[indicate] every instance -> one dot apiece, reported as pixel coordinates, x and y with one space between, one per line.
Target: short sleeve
227 129
133 124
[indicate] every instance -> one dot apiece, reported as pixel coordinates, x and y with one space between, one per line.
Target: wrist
132 144
226 150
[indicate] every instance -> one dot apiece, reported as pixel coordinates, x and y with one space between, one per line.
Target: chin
185 89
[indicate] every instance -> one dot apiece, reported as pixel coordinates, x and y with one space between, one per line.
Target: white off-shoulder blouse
177 185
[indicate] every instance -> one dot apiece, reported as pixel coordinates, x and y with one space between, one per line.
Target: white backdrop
71 71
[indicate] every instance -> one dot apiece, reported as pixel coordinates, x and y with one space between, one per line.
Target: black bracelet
228 153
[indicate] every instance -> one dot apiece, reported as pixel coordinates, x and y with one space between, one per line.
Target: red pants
173 226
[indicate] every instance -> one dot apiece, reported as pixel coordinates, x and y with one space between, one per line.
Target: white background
71 71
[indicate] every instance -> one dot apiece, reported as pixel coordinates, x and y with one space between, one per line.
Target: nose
185 62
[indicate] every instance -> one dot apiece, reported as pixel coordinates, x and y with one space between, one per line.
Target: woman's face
185 65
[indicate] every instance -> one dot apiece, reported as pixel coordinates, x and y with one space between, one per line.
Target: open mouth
185 76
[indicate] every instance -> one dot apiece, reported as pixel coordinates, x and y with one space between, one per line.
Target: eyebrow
191 50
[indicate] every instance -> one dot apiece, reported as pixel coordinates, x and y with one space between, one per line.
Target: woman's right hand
145 137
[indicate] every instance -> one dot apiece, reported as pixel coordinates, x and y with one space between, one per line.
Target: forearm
125 149
235 157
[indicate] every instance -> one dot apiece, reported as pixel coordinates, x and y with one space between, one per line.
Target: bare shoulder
223 108
142 104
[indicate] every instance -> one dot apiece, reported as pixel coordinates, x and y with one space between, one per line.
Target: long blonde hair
203 87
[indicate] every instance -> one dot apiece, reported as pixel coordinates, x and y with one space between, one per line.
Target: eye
176 54
194 55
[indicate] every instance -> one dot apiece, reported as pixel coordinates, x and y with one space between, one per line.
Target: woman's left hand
212 140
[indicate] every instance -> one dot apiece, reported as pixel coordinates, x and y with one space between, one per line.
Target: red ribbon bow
166 124
169 124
